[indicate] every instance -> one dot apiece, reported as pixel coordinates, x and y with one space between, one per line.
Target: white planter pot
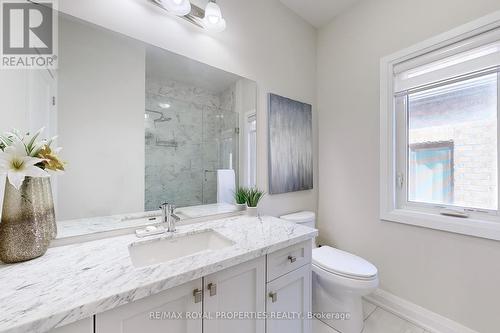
241 207
252 211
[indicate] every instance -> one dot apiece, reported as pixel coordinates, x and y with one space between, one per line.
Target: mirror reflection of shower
153 125
193 116
157 120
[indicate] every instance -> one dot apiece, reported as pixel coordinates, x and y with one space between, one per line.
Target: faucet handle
171 208
167 207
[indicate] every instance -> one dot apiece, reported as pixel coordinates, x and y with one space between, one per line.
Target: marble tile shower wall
183 149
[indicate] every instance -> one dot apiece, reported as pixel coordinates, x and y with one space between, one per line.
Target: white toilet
339 281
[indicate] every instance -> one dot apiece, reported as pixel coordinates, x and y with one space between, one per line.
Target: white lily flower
17 165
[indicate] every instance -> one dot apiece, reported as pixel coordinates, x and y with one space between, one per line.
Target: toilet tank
305 218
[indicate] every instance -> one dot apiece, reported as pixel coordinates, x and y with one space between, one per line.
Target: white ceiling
318 12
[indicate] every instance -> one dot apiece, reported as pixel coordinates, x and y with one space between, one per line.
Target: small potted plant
254 195
240 197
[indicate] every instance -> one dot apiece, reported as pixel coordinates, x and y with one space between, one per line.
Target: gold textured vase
28 220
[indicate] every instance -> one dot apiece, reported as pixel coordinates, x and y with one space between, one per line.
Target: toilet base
343 312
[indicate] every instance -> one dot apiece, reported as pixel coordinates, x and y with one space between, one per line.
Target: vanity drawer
286 260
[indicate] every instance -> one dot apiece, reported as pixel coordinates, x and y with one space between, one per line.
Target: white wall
26 98
101 122
456 276
264 41
14 97
13 88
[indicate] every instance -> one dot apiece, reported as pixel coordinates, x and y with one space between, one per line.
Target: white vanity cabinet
290 295
237 289
151 314
83 326
279 283
240 289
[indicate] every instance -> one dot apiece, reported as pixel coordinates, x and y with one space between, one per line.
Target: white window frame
251 166
477 224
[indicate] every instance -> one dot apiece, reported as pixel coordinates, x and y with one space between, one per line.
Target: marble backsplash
196 136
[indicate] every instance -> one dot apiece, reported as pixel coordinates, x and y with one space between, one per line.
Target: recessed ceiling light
164 105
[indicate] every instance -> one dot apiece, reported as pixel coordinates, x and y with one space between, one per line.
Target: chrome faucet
168 216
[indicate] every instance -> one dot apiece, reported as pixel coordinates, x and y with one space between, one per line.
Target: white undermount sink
165 249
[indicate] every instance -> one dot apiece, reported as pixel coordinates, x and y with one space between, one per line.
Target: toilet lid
343 263
300 217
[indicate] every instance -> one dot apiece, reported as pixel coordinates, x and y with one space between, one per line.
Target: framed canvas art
290 145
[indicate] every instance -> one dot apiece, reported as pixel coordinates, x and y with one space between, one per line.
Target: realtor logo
28 34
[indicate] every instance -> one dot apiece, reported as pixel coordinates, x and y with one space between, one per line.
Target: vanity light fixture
213 20
177 7
209 18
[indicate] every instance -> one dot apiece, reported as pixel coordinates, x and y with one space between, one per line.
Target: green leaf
254 195
29 146
5 141
240 195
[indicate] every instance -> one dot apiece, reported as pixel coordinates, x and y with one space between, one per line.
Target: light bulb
213 20
177 7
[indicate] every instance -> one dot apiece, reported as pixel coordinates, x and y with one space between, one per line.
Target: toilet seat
343 264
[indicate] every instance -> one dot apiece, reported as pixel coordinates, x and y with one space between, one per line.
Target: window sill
463 226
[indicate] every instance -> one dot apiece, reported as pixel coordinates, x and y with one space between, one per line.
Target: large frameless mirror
138 125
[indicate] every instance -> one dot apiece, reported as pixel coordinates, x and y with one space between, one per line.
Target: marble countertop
76 281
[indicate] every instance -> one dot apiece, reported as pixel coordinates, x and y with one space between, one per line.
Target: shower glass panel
220 147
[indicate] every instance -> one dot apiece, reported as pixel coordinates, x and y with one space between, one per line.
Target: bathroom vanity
211 271
191 133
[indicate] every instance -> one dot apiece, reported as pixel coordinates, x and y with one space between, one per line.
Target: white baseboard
416 314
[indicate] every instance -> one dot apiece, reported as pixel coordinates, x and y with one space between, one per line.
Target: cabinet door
82 326
290 296
157 313
236 289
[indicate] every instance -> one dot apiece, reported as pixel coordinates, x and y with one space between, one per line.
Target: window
430 171
450 133
439 133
